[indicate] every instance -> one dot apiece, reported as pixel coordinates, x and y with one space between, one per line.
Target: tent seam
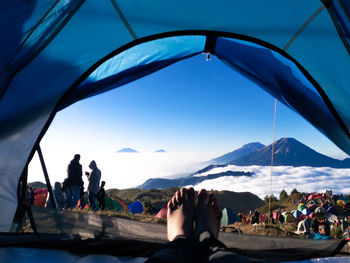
302 28
122 17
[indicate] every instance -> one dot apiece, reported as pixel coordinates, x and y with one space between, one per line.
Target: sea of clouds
127 170
120 170
304 179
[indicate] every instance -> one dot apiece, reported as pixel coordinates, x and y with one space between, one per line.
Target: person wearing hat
323 232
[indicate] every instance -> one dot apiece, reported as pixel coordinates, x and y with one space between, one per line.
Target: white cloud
306 179
120 170
125 170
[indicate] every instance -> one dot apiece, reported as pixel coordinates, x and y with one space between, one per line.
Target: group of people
72 189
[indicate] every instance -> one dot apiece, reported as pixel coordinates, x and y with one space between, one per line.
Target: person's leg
103 204
92 200
179 229
69 196
207 222
76 195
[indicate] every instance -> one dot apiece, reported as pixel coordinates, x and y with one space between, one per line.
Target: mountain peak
160 151
288 152
127 150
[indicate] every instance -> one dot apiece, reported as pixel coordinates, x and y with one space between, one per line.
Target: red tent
314 196
162 212
40 196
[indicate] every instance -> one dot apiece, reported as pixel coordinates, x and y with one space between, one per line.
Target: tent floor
89 233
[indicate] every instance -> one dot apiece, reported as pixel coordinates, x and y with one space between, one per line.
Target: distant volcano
289 152
160 151
127 150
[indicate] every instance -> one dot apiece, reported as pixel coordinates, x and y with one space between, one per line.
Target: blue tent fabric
340 12
54 54
136 207
306 211
344 198
296 214
332 210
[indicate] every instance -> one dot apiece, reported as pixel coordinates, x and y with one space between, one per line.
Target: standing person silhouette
74 182
94 182
101 196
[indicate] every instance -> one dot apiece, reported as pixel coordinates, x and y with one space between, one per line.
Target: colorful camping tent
320 211
136 207
312 207
340 203
40 196
301 207
40 199
56 53
312 215
306 211
162 212
332 210
344 198
229 217
125 207
297 214
332 218
113 205
314 196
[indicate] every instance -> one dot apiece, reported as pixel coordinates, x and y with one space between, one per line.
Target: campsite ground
155 199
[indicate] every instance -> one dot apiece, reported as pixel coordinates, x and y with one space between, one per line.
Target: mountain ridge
245 149
289 152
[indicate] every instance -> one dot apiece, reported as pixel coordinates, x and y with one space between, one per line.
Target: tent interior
56 54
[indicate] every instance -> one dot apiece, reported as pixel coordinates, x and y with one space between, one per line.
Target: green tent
229 217
301 207
113 205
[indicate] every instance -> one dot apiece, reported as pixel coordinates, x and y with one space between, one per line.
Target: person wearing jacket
72 191
94 182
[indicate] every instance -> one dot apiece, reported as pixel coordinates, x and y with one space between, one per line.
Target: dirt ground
262 229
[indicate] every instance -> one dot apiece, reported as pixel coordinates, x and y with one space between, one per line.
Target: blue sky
192 106
195 110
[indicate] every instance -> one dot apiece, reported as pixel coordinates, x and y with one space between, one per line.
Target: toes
173 201
190 194
170 205
203 196
178 197
183 195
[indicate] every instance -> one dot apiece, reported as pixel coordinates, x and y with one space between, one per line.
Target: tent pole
19 219
48 184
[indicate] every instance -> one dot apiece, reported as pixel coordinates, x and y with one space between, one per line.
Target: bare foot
180 215
208 214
